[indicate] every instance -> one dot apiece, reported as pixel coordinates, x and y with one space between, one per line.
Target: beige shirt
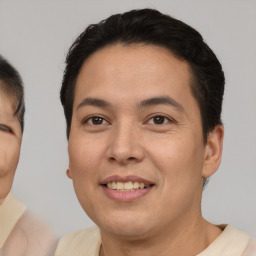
231 242
21 233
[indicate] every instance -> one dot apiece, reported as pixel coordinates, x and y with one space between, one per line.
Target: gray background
35 36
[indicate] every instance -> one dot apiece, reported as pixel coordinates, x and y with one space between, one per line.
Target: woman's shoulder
26 232
251 248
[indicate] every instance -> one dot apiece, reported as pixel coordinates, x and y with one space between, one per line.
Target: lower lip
126 196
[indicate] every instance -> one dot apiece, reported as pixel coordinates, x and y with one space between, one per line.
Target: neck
186 240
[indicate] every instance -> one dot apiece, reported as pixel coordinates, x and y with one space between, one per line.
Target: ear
213 151
69 172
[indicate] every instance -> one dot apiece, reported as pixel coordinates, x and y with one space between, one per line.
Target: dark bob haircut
150 27
11 84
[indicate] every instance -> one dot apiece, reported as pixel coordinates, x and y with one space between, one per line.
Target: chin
129 226
128 232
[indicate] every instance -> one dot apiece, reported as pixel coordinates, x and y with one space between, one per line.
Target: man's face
10 142
136 148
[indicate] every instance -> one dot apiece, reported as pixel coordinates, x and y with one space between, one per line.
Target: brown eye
159 120
95 120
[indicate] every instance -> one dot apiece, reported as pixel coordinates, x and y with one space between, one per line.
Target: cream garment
231 242
21 234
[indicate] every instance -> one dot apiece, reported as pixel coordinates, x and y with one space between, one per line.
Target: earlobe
213 151
69 173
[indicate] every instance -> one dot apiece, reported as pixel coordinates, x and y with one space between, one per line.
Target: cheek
9 157
84 158
179 162
179 167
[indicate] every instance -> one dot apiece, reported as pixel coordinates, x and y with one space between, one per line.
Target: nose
125 145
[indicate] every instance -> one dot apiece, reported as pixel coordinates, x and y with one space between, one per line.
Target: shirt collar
231 242
11 210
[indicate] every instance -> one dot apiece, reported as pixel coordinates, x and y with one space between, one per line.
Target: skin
129 139
10 143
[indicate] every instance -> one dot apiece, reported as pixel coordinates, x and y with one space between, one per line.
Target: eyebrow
162 100
94 102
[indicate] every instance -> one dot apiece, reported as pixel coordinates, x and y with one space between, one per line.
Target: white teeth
126 186
114 185
119 185
136 185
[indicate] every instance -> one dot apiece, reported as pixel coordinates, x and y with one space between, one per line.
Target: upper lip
124 179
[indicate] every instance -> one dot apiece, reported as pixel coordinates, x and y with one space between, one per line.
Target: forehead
147 66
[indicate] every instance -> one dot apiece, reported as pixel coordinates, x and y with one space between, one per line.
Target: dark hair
150 27
11 84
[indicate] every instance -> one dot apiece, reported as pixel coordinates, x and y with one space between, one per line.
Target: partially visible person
21 233
142 95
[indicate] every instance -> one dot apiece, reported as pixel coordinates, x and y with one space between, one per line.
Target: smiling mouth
127 186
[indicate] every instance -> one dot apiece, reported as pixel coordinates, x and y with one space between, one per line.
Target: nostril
112 159
131 158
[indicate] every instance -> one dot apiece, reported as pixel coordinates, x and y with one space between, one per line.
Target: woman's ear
69 173
213 151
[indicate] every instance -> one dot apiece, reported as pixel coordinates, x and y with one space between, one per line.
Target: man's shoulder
84 242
